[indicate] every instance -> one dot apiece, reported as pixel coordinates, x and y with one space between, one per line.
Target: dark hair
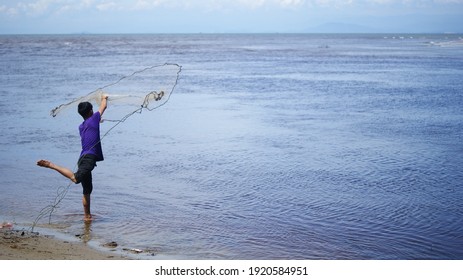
84 108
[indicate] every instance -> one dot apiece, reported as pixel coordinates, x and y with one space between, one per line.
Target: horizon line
235 33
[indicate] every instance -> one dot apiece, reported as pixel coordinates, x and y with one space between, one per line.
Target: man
91 152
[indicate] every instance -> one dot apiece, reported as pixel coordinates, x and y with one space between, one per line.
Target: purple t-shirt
90 136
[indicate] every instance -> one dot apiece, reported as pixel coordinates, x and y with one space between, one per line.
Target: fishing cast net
146 89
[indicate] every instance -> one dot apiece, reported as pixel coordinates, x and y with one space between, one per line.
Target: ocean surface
271 146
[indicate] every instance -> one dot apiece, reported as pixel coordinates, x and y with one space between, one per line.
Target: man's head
85 109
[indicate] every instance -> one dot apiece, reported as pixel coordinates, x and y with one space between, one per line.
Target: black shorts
83 175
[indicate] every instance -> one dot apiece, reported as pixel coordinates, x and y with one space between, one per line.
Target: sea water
272 146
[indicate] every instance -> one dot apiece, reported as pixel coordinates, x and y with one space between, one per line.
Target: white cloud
290 3
85 3
36 7
408 2
383 1
147 4
253 4
8 11
449 1
41 7
330 3
214 5
105 6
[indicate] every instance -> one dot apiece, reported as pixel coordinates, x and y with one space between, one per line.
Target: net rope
144 98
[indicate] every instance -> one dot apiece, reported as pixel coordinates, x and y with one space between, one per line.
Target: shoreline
24 245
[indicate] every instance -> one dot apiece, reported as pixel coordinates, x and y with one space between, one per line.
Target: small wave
453 43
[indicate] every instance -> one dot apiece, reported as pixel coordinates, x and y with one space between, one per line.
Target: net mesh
146 89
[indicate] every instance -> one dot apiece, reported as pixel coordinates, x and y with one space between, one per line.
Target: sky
227 16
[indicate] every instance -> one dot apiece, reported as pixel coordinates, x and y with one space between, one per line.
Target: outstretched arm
104 104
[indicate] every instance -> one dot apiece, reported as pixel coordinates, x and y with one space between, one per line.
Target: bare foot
88 218
44 163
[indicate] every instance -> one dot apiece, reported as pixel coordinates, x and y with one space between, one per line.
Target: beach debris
17 235
148 251
111 244
151 251
6 225
133 250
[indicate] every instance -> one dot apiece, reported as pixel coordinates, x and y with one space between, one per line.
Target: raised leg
62 170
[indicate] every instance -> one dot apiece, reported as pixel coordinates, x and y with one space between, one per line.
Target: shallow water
271 147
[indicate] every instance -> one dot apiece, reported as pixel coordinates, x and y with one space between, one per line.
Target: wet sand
23 245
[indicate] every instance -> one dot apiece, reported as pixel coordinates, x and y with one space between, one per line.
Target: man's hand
104 103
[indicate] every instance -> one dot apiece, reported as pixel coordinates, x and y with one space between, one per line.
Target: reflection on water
86 233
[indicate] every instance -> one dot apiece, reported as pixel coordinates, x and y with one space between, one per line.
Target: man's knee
73 179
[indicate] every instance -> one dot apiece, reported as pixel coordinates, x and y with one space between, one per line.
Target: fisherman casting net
146 89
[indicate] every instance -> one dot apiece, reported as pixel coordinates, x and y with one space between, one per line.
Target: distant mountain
407 23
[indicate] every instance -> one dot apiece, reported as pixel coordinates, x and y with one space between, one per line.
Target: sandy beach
23 245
